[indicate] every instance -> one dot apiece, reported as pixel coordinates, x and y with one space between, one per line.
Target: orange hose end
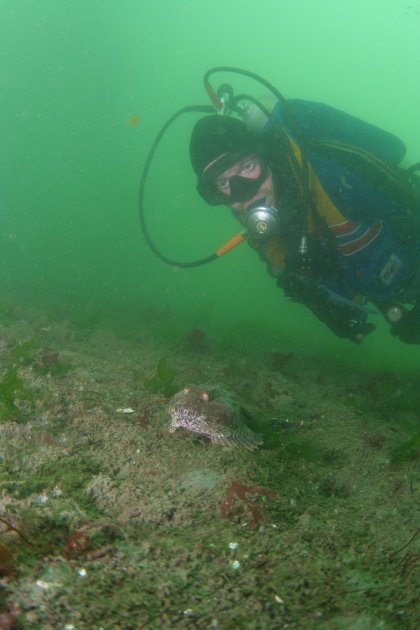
236 240
216 100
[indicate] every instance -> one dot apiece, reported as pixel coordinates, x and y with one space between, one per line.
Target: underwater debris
15 529
410 559
161 382
240 491
78 541
134 120
405 546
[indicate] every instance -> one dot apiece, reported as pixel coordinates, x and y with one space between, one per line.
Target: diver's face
248 167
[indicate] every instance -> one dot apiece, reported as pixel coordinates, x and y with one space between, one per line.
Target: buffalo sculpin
212 411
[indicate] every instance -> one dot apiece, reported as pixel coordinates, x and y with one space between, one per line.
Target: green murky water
85 88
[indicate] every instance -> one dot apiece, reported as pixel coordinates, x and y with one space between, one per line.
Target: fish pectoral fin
221 440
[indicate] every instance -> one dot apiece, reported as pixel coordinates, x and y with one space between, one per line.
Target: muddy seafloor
110 522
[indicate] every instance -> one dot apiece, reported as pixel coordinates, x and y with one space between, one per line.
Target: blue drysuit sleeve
322 122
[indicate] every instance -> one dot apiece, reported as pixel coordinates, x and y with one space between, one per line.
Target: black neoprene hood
214 136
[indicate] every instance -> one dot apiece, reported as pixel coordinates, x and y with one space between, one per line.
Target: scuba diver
323 199
350 237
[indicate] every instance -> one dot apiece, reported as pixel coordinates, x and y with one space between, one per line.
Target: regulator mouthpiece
262 224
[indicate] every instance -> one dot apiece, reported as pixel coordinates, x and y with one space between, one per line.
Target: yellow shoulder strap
276 249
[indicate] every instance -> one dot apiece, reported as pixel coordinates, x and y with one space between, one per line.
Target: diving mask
241 188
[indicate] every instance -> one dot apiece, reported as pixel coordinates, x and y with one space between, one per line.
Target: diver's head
230 171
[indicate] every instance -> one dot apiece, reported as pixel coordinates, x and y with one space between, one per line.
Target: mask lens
241 188
211 194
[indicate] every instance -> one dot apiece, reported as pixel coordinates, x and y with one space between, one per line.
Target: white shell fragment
47 585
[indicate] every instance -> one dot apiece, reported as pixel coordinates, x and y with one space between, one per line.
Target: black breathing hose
205 109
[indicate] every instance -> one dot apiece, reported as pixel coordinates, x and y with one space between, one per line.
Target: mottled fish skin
212 411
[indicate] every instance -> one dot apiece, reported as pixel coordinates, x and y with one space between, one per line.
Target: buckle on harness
388 273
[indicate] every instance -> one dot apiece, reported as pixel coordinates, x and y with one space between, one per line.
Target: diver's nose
256 204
